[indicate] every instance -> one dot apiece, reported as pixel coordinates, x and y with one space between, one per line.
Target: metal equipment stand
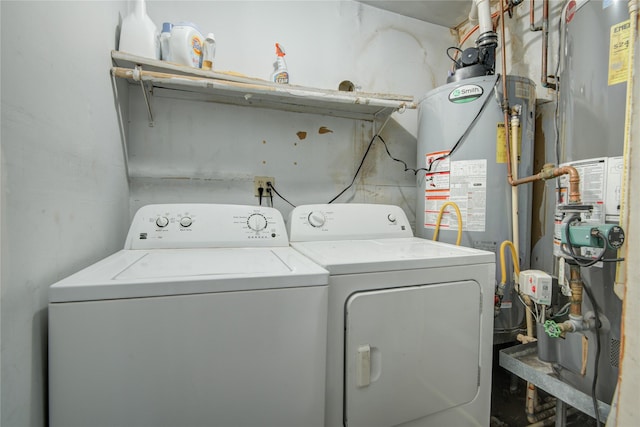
522 360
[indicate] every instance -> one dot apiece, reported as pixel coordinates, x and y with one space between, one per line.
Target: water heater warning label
619 52
463 182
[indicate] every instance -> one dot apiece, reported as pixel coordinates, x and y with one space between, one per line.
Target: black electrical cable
433 162
270 185
406 168
260 191
357 170
270 195
455 61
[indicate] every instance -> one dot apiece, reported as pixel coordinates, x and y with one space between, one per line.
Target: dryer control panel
345 221
181 226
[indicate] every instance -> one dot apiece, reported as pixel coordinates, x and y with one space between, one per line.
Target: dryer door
410 352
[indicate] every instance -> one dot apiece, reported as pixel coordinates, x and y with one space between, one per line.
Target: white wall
201 152
64 186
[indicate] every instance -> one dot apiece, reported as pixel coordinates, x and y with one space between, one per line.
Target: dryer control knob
316 219
391 218
186 221
162 221
257 222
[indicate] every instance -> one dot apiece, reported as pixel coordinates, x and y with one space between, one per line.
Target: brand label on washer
466 93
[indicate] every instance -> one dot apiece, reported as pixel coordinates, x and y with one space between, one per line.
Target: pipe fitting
573 324
547 171
516 111
581 323
489 38
574 182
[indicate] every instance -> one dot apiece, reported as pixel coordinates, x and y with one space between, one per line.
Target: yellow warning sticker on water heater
619 52
501 143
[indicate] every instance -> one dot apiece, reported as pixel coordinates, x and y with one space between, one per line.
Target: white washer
410 320
207 317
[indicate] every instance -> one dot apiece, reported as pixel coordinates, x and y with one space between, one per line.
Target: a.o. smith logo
466 93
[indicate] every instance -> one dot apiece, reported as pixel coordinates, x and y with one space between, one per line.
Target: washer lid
365 256
161 272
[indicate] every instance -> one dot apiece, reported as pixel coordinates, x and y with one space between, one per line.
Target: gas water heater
461 145
591 126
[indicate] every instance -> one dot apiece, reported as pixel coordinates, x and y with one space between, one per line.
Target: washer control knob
316 219
162 221
391 218
186 221
257 222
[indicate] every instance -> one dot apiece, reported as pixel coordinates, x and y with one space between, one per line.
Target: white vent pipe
483 10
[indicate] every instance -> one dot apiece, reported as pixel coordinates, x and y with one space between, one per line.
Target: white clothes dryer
206 318
410 320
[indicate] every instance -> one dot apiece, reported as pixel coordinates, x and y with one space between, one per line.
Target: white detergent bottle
138 34
280 73
185 44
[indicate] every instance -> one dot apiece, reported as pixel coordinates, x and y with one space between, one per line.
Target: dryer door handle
363 366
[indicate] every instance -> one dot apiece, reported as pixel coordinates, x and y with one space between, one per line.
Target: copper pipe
549 172
576 291
532 19
525 180
505 97
574 181
545 45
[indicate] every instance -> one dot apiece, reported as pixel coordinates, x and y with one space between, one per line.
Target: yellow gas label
501 143
619 52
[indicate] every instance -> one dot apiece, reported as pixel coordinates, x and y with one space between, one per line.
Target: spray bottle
280 73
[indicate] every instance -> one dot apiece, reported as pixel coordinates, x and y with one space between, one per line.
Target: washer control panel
344 221
206 225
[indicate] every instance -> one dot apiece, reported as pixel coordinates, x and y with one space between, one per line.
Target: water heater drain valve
574 324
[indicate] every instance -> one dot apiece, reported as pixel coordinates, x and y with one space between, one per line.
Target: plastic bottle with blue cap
165 37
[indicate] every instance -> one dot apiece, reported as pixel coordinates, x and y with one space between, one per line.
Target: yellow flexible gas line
514 257
442 208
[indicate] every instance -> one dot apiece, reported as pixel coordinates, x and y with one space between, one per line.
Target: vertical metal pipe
576 291
545 45
532 19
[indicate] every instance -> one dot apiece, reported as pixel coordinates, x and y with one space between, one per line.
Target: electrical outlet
261 181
